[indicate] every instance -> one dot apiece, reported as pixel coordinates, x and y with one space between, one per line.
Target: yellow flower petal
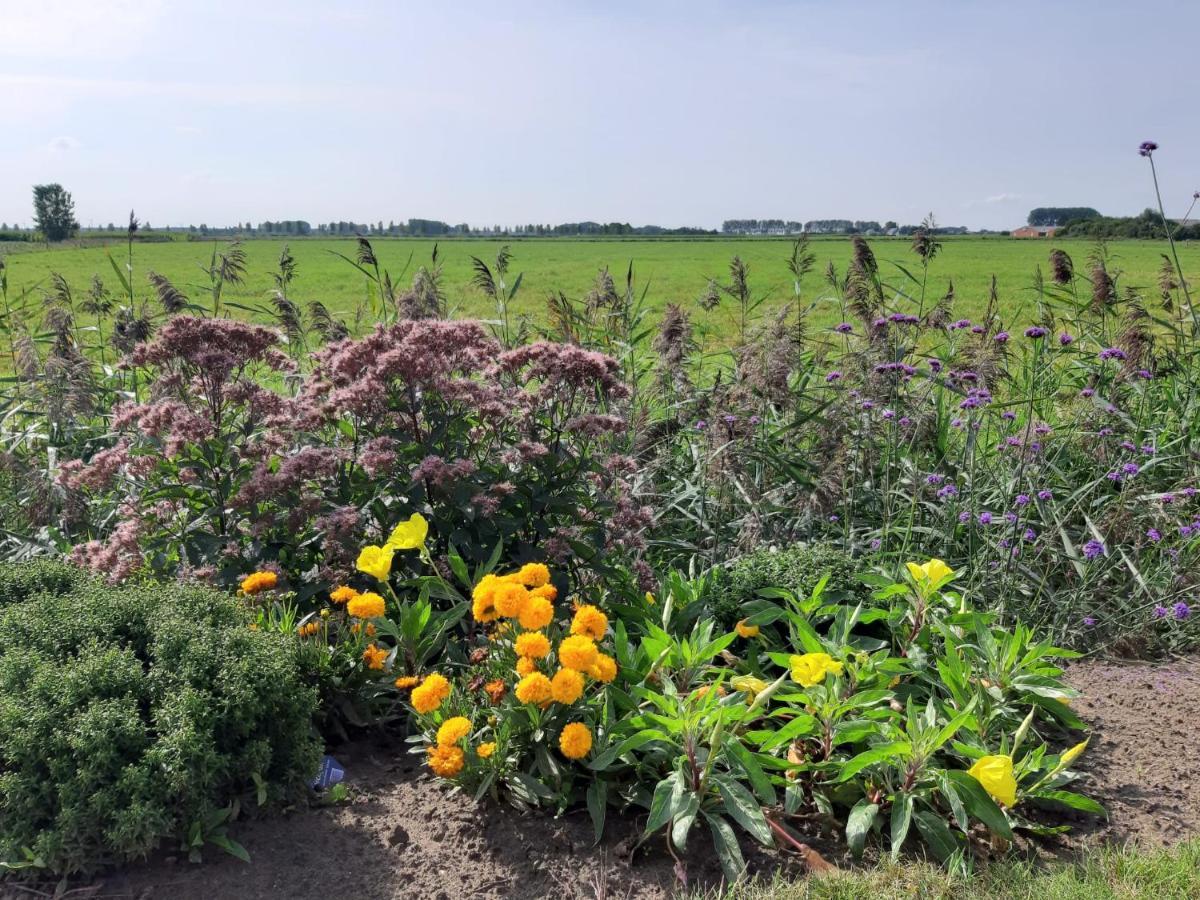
375 561
409 535
995 773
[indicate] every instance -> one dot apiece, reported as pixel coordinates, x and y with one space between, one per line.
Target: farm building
1034 231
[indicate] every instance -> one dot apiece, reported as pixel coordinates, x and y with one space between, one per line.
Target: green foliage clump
135 715
797 569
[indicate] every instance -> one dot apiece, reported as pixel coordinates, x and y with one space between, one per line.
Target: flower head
750 685
485 750
533 575
366 606
526 666
483 599
589 622
533 644
929 573
538 613
409 535
429 694
566 686
604 669
995 774
746 631
577 652
445 761
453 730
575 741
375 561
407 682
374 657
510 599
811 668
534 688
343 594
1181 610
258 582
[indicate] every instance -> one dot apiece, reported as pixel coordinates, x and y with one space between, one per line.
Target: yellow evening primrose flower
811 668
409 535
749 684
745 630
931 572
375 561
995 773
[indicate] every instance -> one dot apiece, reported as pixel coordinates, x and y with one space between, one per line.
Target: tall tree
54 211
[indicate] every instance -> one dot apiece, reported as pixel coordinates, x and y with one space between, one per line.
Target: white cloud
63 144
1002 198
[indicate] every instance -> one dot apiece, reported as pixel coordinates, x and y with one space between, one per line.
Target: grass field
672 270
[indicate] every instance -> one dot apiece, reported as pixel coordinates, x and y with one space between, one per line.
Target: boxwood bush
136 715
797 569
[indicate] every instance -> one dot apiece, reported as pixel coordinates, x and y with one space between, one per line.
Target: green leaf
681 825
758 778
902 810
936 833
661 806
605 759
872 756
980 804
1073 800
744 809
230 846
729 854
858 825
597 804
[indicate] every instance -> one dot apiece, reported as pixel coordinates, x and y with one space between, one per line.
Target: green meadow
667 270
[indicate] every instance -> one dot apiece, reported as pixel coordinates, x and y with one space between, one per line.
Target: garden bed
403 835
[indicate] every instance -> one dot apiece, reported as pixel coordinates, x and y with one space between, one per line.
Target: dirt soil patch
1145 749
402 835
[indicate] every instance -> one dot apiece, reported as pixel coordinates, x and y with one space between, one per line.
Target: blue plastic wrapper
330 773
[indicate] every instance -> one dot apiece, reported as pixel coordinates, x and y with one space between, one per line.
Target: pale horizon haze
667 113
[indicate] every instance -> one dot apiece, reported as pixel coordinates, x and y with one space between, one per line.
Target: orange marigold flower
343 594
702 692
566 686
407 682
533 575
526 666
577 652
483 599
604 669
429 694
495 690
538 613
453 730
534 688
446 762
366 606
549 591
511 599
259 581
575 741
590 622
483 751
374 657
746 631
533 644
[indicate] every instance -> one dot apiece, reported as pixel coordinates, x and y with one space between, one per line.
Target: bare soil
402 835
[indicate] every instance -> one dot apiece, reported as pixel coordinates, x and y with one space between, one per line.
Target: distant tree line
827 226
1060 215
1147 225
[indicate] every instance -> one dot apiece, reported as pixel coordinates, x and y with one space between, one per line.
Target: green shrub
134 715
797 569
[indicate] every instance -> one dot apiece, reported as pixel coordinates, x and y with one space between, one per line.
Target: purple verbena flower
1035 331
843 328
1093 549
1066 339
1181 610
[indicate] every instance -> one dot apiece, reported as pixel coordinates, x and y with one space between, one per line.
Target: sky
669 113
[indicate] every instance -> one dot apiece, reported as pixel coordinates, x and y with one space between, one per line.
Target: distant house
1034 231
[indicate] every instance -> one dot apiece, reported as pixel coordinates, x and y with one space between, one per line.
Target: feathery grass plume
483 278
426 299
940 315
325 324
1062 268
562 319
864 257
61 293
287 269
765 363
603 294
170 298
673 344
365 255
710 299
1167 283
98 301
233 264
290 320
800 262
1104 291
1136 337
924 244
130 329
